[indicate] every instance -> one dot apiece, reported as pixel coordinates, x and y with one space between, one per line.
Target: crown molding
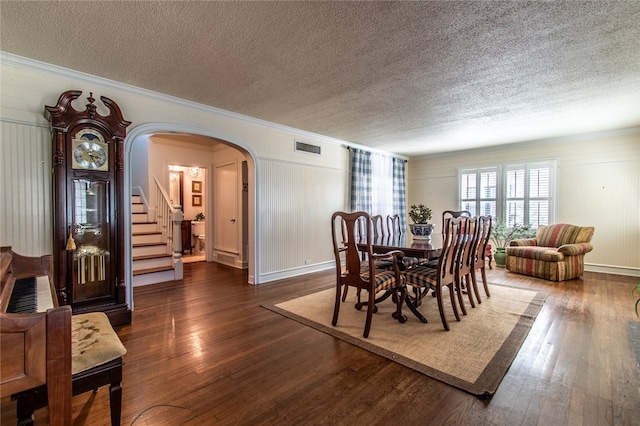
58 71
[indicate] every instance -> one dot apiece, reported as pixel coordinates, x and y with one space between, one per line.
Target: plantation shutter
478 189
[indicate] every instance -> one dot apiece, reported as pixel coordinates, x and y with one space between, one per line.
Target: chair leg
458 289
336 308
370 306
115 403
453 301
468 285
484 282
474 283
27 402
443 317
24 414
344 292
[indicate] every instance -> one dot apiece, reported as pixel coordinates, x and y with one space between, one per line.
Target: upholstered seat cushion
422 276
93 341
548 254
383 279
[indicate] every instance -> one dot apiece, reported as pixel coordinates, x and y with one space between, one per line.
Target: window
520 193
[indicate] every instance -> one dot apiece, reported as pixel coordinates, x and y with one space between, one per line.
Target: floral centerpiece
420 228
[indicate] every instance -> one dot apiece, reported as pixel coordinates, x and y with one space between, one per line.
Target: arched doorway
134 165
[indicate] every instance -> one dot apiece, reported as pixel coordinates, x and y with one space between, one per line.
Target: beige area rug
474 356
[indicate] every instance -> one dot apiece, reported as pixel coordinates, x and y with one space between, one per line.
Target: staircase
152 260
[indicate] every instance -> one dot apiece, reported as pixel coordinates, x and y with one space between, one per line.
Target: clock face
90 152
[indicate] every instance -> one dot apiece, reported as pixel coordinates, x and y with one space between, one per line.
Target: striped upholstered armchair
556 253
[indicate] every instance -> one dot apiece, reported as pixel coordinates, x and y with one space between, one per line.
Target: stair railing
169 219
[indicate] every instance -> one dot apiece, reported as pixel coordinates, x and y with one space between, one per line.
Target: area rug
473 356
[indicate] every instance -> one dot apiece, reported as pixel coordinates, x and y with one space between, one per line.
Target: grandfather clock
88 211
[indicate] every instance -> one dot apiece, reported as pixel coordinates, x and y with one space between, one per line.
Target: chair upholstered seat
93 341
422 276
96 360
383 280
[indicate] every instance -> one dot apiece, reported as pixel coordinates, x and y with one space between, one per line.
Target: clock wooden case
88 210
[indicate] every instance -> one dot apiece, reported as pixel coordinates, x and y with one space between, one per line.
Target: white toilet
198 231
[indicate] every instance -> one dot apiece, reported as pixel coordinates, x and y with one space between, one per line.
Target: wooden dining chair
447 214
353 271
479 260
464 264
424 279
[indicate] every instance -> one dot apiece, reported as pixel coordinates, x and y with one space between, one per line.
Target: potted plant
200 217
420 228
501 236
634 290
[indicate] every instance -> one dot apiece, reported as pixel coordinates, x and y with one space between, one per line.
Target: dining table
410 246
426 249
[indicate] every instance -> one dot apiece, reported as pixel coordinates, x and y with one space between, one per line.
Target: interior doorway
161 144
188 189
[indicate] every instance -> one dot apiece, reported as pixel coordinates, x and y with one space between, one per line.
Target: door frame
253 197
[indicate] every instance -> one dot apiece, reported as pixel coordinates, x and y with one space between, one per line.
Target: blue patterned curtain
399 192
360 180
361 184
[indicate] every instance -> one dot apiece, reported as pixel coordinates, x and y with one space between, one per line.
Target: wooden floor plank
206 352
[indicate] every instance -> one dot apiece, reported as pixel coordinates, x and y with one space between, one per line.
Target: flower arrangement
200 217
501 235
420 213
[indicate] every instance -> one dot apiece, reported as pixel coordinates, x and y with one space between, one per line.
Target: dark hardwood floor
206 352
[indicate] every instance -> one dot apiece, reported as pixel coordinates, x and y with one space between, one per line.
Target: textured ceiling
406 77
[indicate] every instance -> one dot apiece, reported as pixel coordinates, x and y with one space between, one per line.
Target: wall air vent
306 147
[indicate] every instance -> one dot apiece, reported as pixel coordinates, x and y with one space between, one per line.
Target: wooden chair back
453 214
379 226
451 246
393 224
482 247
484 230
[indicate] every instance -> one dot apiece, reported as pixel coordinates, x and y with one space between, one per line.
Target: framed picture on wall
196 186
196 200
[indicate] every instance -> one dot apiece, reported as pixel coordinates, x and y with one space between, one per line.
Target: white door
226 208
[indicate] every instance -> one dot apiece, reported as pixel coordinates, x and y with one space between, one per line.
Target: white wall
598 184
275 194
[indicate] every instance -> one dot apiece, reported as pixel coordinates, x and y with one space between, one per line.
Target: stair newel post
177 217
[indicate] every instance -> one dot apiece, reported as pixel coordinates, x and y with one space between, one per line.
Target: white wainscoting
25 190
295 210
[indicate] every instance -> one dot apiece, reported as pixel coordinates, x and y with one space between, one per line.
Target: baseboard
610 269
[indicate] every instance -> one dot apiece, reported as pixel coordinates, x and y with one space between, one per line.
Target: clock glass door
91 265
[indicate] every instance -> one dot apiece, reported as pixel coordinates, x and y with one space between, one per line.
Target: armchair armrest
575 249
388 255
394 255
524 242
